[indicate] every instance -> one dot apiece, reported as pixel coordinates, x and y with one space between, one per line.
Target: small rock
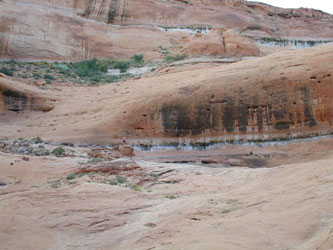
208 162
126 151
234 162
152 225
25 158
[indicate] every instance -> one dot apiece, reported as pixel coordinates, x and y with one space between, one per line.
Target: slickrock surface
45 205
283 95
173 158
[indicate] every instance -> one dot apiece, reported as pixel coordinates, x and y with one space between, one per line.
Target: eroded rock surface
78 30
284 95
18 97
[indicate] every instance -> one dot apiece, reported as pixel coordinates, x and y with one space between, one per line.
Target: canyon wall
248 17
284 95
75 30
35 30
280 96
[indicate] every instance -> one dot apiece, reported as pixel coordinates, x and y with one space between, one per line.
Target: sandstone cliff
17 97
76 30
284 95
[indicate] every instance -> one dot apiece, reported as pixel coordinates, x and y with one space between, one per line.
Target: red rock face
281 96
16 97
250 18
284 95
61 30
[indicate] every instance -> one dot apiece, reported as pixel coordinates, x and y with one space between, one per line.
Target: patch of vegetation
172 197
154 175
121 179
113 182
173 58
56 184
36 140
71 176
226 211
49 77
59 151
135 187
6 71
138 58
91 71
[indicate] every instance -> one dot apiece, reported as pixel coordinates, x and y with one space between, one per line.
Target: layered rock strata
77 30
284 95
17 97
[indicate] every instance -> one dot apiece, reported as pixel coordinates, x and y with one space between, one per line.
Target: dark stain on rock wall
202 120
112 10
176 120
14 102
308 113
229 115
236 114
243 116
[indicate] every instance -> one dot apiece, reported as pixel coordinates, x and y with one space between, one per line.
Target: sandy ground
177 206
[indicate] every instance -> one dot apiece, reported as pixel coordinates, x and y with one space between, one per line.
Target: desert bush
36 75
138 58
6 71
135 187
96 78
49 77
173 58
59 151
121 179
123 66
86 68
71 176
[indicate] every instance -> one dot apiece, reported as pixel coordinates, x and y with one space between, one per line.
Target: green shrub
135 187
49 77
71 176
36 75
61 66
121 179
24 75
6 71
138 58
172 197
96 78
38 139
123 66
86 68
174 58
59 151
113 182
111 79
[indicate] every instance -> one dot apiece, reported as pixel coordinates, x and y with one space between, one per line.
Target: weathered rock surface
63 30
248 17
284 95
180 206
18 97
222 42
